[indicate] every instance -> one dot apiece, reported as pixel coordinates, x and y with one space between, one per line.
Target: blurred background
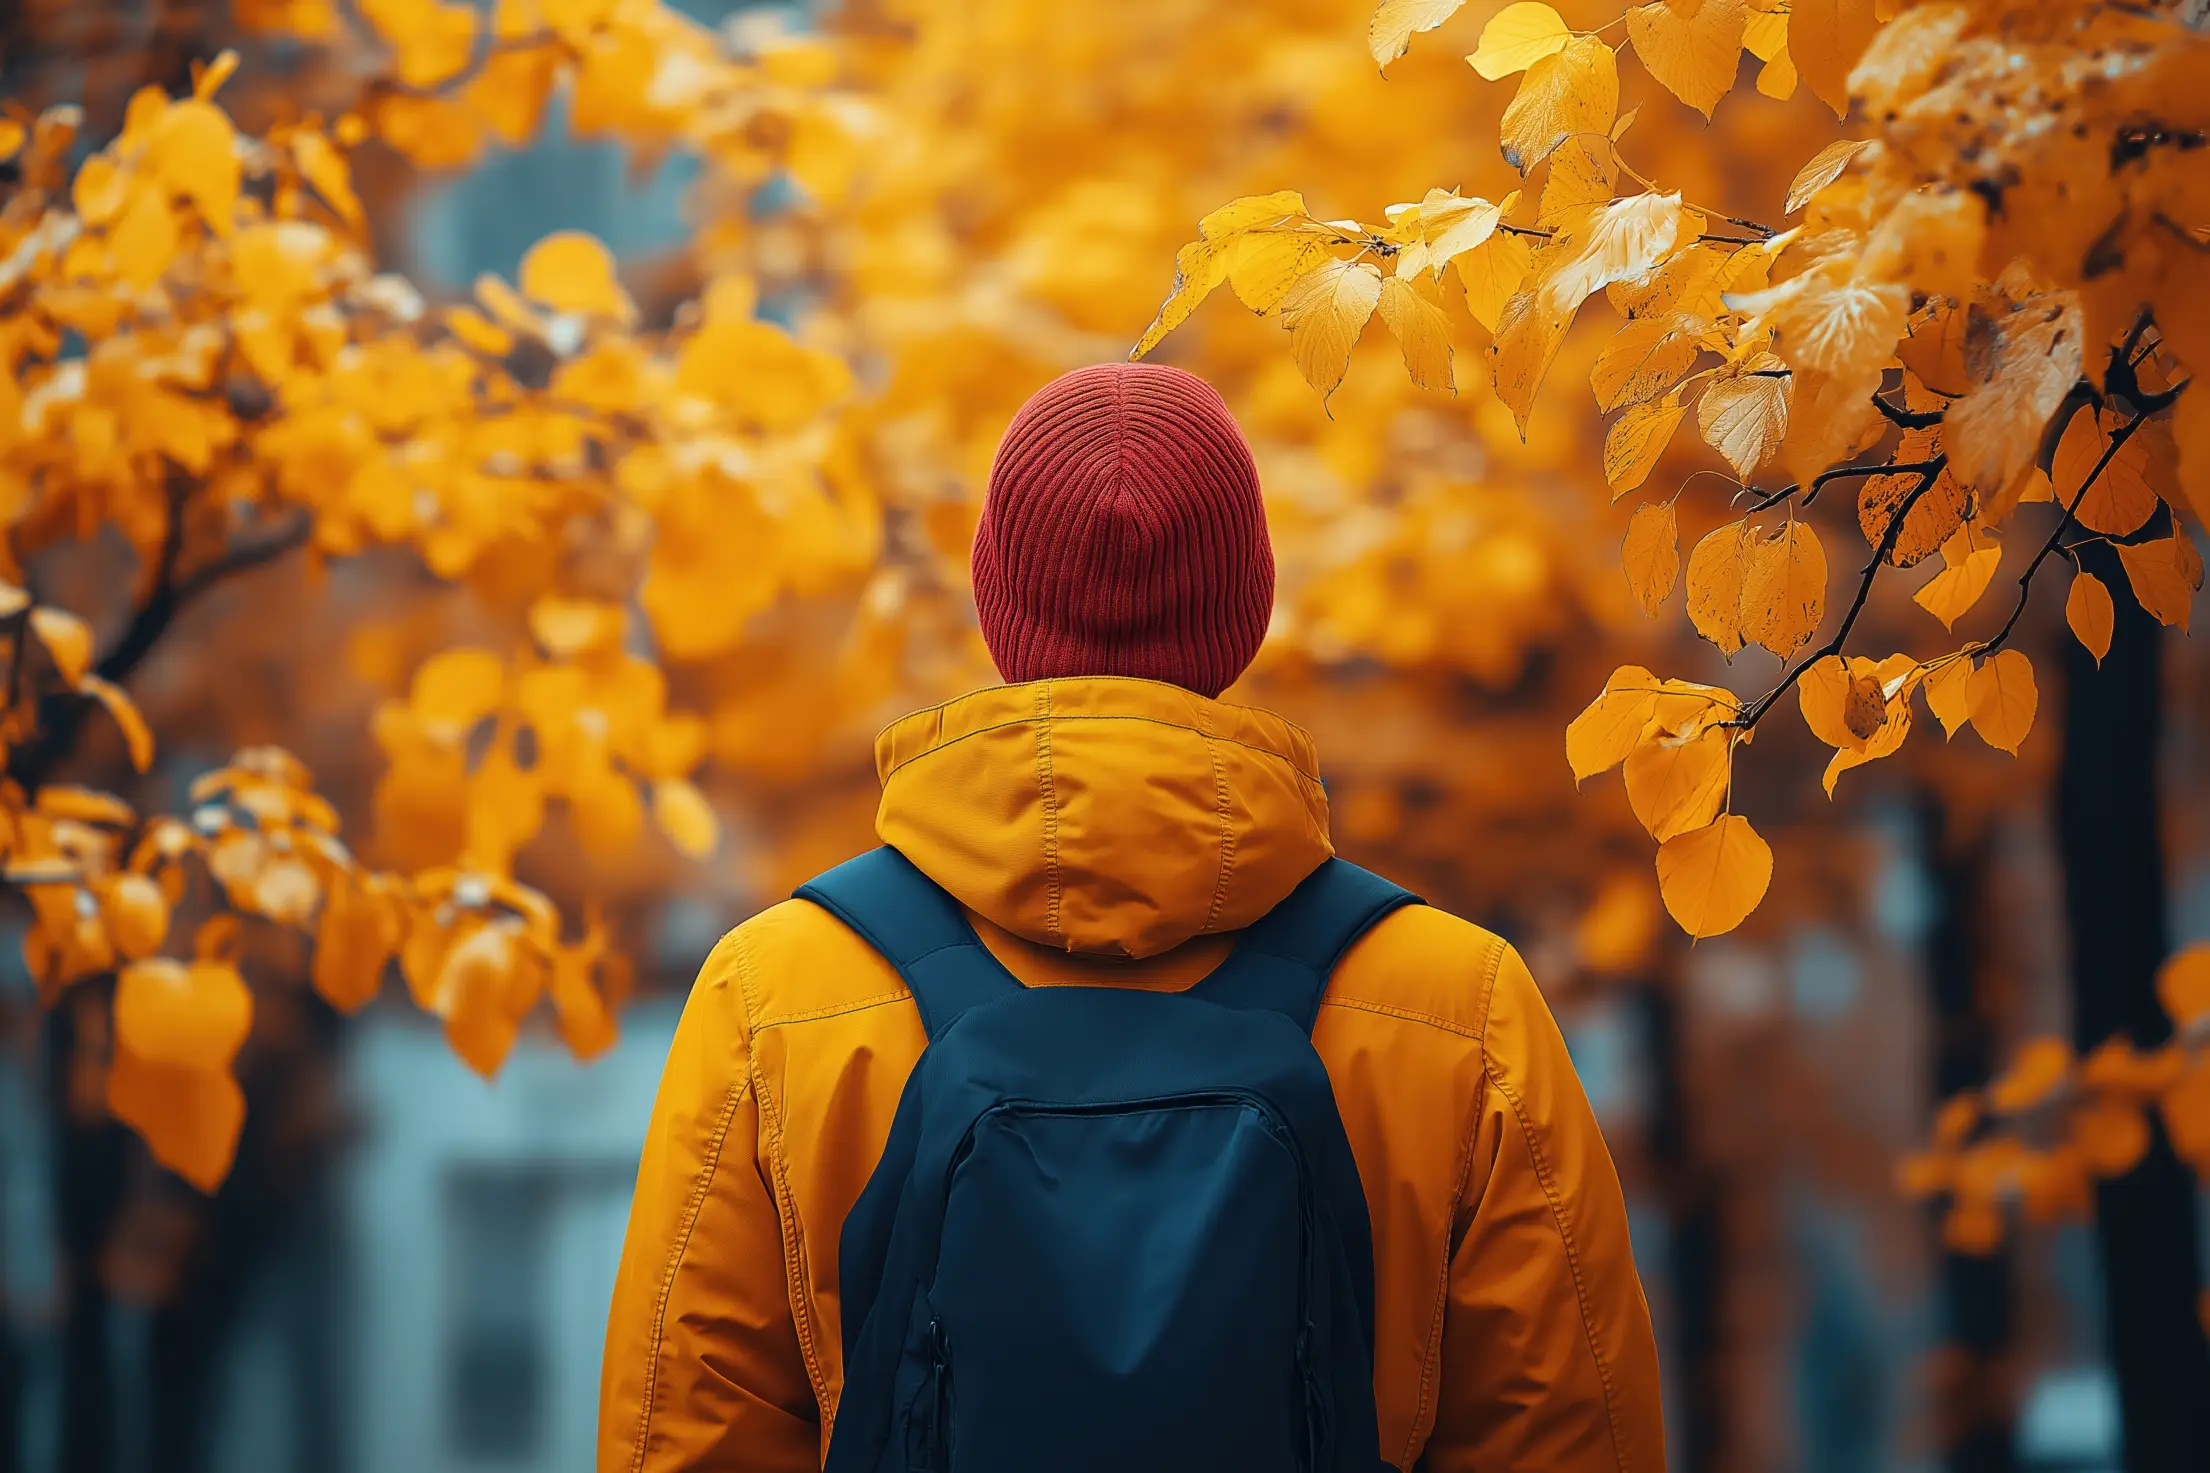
407 1265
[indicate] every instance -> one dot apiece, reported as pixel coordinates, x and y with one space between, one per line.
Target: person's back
1107 822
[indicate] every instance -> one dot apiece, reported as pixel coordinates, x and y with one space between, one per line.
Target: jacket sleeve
703 1369
1548 1359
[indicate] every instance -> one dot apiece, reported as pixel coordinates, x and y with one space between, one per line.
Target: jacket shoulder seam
833 1010
1409 1015
700 1189
1572 1254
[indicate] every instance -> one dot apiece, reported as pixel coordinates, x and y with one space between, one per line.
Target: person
1105 819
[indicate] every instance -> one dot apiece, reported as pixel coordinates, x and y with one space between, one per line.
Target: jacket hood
1106 816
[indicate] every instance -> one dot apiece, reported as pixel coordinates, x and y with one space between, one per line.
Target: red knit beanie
1123 534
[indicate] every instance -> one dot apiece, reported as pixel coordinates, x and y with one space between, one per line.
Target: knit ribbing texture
1124 534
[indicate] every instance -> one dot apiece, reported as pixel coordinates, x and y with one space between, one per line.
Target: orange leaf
1825 167
189 1117
2087 608
2164 575
1600 738
2001 698
1713 877
2183 985
2121 498
685 817
2110 1136
1675 785
68 639
2037 1073
1651 554
136 914
195 1015
354 941
137 736
570 271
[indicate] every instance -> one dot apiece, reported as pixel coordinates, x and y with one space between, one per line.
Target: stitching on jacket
1227 835
942 706
1410 1015
1572 1256
1051 809
831 1011
700 1188
786 1208
1281 757
1431 1362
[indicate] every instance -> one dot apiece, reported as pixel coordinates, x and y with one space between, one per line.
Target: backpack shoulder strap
918 929
1285 957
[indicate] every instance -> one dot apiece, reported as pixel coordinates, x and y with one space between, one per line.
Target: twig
1826 478
1906 419
1927 477
2117 443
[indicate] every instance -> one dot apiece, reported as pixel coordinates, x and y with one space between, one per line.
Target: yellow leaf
68 640
2037 1072
1600 738
136 913
1826 37
1615 933
1784 589
1528 336
2121 498
2164 577
1777 78
1324 314
1743 414
1389 34
2183 985
478 331
190 1118
13 135
1825 167
685 817
1637 440
326 172
1651 554
1833 322
1884 722
429 132
1451 227
1263 266
1584 173
482 988
1238 215
193 152
456 688
1198 268
1715 582
1566 93
1692 47
586 1023
195 1015
137 736
571 628
1675 786
1645 356
355 940
1713 877
2087 608
1970 559
570 271
1623 240
1517 37
510 91
1935 348
1492 274
1948 695
2001 699
1844 707
2033 355
1422 332
2111 1136
144 240
1932 520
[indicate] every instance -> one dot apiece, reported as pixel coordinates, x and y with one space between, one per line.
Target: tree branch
1927 476
1906 419
1826 478
2118 439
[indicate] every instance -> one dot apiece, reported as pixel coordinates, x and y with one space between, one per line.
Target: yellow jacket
1118 832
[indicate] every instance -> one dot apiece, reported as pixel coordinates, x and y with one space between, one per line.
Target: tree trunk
1975 1412
1695 1245
2109 835
90 1165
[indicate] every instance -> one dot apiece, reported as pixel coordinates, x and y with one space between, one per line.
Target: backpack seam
701 1187
1572 1257
1431 1362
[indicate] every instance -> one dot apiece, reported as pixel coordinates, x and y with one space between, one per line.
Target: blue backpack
1112 1231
